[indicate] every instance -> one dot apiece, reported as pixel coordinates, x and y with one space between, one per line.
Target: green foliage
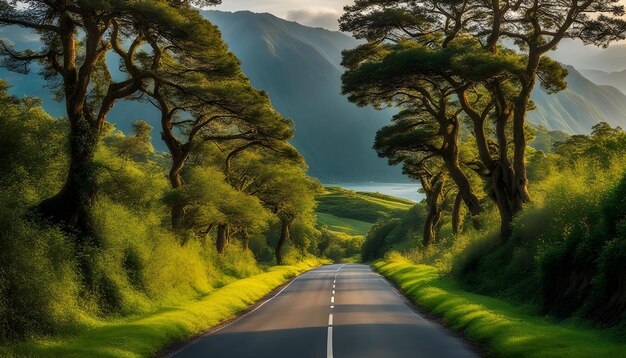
339 246
209 199
394 234
114 255
564 254
39 287
49 287
32 148
145 335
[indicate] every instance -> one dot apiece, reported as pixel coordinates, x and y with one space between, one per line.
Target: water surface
401 190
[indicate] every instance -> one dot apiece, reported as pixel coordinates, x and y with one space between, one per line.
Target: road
336 311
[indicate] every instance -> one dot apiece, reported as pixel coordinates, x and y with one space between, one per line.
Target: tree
30 139
409 74
76 37
204 97
210 202
138 146
283 187
507 77
413 140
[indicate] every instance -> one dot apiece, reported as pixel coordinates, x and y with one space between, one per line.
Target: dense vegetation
95 225
345 217
507 219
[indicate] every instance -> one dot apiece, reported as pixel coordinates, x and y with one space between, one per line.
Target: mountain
300 68
579 55
615 79
576 109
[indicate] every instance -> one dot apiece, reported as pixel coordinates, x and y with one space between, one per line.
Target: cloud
326 18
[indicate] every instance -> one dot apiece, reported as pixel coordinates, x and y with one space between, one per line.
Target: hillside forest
98 227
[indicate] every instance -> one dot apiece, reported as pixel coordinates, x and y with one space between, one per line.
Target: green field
367 207
503 329
349 226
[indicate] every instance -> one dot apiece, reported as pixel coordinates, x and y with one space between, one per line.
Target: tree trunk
434 214
72 205
176 181
179 153
222 238
456 215
451 158
284 235
519 136
245 239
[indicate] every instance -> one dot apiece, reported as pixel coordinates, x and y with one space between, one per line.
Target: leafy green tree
76 36
138 146
410 74
603 145
413 141
204 97
507 77
283 187
210 202
29 140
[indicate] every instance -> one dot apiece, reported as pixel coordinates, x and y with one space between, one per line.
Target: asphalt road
333 311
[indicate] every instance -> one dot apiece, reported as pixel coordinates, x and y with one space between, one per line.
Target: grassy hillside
345 217
367 207
339 224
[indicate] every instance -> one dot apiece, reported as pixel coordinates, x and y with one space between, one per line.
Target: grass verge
505 330
145 335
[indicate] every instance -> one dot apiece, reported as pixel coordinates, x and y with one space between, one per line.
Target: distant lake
400 190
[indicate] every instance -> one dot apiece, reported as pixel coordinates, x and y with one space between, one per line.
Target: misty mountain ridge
580 106
575 53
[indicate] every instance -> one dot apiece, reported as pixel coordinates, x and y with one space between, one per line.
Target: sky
315 13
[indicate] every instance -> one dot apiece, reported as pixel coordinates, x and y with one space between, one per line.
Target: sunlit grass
349 226
144 335
368 207
505 330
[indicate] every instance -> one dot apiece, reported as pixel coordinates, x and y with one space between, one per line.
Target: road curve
338 311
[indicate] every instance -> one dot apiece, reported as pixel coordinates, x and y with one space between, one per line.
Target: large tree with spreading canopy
506 43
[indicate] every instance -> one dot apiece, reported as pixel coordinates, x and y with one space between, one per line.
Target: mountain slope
579 107
300 68
615 79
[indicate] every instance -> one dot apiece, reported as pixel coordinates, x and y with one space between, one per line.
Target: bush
39 288
341 247
394 234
